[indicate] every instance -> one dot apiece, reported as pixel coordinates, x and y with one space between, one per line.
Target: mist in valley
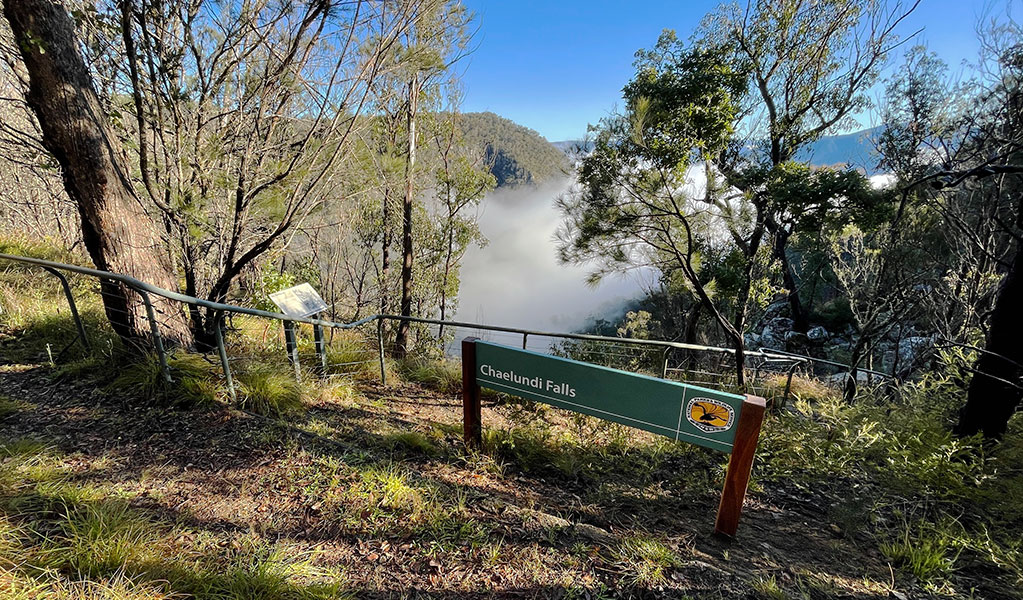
516 279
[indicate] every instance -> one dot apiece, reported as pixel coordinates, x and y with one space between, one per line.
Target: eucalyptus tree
118 233
242 115
958 151
693 104
810 65
461 182
993 158
235 118
926 122
633 206
437 39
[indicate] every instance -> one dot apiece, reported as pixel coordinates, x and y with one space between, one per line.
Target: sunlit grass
645 559
443 375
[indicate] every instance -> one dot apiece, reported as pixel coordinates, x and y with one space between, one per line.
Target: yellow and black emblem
710 415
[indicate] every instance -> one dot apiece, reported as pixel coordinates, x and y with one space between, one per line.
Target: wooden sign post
740 465
709 418
472 419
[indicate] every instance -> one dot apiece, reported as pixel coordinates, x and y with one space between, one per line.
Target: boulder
781 324
796 338
817 334
775 309
770 339
913 348
838 380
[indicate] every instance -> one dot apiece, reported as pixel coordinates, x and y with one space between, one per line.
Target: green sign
679 411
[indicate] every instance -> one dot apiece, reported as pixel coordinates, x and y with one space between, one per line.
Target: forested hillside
517 154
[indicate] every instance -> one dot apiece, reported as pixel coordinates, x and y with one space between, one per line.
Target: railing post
222 349
664 363
525 337
788 384
157 338
71 304
321 347
291 348
380 351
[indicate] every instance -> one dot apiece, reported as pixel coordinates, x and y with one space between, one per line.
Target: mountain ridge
855 149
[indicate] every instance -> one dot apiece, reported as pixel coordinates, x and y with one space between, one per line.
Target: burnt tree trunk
401 340
994 392
118 234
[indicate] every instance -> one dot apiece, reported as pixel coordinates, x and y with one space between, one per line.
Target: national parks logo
710 415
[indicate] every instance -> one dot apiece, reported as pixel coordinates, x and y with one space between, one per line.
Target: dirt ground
519 530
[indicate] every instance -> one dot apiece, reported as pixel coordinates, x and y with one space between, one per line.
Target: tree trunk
800 320
994 391
689 357
118 234
849 391
385 252
447 276
401 340
738 326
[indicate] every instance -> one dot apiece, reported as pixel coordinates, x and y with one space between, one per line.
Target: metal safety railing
655 356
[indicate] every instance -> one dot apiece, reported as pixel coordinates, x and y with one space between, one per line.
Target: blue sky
558 65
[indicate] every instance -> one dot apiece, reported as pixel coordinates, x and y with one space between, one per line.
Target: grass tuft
443 375
927 552
806 389
350 354
269 392
9 407
411 442
100 538
195 381
340 391
768 589
646 559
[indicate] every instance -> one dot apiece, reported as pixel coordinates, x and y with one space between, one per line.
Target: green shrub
529 449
